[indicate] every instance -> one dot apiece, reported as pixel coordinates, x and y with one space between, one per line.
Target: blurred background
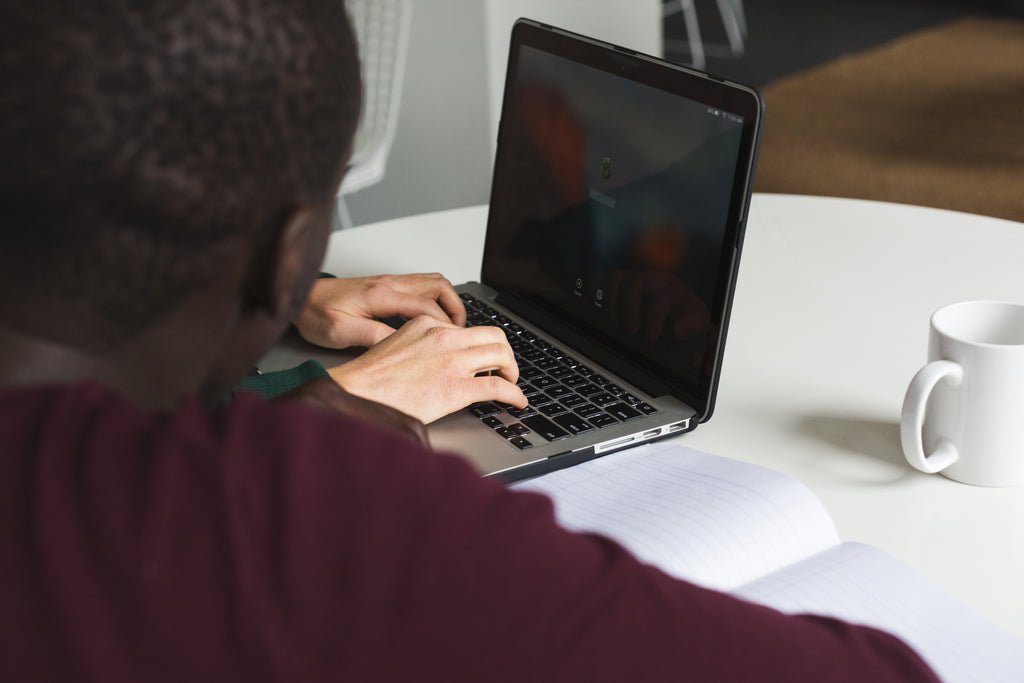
442 148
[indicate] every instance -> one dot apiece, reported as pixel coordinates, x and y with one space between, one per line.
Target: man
170 167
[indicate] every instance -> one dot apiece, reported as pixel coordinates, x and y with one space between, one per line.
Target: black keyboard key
573 401
603 420
540 400
484 409
587 410
505 433
493 422
575 381
574 423
529 372
550 409
534 355
588 389
521 412
646 408
519 429
521 443
604 399
561 372
622 411
558 392
544 383
546 364
545 427
467 298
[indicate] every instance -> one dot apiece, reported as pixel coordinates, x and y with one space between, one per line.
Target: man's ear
286 264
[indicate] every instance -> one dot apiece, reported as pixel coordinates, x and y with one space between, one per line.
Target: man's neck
150 383
154 368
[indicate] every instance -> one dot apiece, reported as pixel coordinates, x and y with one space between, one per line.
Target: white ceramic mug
963 414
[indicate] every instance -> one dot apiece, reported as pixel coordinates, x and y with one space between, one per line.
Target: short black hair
139 134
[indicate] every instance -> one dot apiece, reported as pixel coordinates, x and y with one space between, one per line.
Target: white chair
733 18
382 31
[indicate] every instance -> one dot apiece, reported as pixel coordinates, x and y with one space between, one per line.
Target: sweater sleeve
409 565
273 384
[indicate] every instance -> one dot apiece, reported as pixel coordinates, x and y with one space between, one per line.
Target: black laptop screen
610 208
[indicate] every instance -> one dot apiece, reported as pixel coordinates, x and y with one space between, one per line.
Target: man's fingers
493 388
412 295
410 306
489 358
367 332
452 304
440 289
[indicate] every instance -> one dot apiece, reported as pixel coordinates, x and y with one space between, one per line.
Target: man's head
142 139
137 134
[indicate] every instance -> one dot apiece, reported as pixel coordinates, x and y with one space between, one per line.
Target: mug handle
912 419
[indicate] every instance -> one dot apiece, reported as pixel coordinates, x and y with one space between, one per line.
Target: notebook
620 192
765 537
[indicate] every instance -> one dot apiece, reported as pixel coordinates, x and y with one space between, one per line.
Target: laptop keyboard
566 397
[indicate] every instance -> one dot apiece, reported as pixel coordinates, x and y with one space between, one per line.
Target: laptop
620 192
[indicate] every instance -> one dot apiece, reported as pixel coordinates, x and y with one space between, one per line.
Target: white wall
451 101
635 24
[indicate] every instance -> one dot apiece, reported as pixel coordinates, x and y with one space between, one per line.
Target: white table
829 324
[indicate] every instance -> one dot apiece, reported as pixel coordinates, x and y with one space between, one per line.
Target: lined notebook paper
766 538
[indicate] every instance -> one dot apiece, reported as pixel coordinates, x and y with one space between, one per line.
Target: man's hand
324 392
342 312
430 368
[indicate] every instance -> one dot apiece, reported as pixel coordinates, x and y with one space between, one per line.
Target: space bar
545 427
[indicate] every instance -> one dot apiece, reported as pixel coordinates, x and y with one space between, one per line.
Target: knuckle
496 334
439 334
422 322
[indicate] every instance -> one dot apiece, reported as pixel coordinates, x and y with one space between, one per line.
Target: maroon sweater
276 543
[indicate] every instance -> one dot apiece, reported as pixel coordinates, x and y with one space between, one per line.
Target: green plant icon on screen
607 167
